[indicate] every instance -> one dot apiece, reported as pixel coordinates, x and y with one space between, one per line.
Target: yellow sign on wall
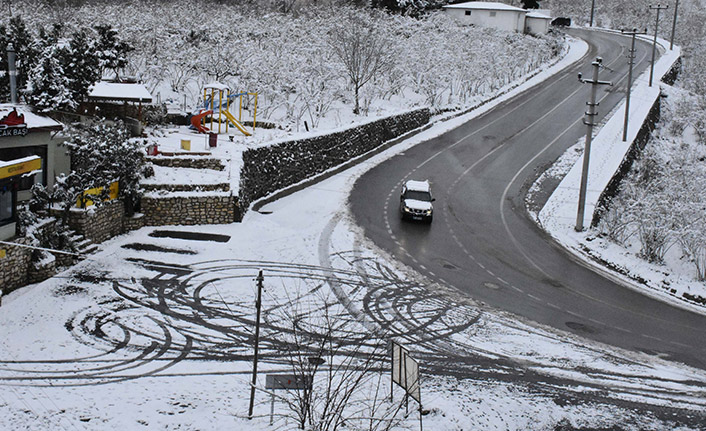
26 165
113 194
3 253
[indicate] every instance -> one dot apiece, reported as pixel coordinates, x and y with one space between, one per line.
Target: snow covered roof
6 163
420 186
537 15
484 6
32 120
119 91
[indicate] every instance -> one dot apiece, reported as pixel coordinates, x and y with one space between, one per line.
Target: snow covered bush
102 153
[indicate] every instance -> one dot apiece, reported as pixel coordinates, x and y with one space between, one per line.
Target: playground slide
236 123
196 121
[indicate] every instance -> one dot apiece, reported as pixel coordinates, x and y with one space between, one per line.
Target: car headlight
407 209
428 212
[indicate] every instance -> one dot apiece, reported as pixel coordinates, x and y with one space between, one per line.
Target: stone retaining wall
222 187
190 210
14 267
267 169
98 224
188 162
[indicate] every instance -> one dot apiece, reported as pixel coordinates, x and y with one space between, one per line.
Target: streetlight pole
674 25
593 6
590 114
631 57
654 42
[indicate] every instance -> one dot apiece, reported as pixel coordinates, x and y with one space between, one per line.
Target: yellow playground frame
230 118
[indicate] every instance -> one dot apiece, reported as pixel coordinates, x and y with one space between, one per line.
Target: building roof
119 92
482 5
32 120
537 15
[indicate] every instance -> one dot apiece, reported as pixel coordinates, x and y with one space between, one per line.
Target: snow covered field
155 332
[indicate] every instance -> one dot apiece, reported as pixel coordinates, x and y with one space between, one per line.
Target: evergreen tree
48 86
80 66
530 4
26 51
111 51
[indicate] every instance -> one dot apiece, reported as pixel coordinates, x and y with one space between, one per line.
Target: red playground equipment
209 107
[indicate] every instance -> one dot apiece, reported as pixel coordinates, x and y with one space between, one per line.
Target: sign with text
287 381
13 124
96 191
29 165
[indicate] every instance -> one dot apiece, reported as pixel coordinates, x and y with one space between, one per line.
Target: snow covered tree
26 50
48 86
102 153
530 4
360 45
80 66
111 50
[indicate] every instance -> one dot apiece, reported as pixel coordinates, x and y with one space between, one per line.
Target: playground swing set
225 100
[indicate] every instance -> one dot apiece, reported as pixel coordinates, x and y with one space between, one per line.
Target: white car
416 201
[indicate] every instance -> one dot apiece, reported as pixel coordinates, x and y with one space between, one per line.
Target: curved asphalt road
482 240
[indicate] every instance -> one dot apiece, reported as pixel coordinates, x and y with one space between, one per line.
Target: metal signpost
288 382
590 114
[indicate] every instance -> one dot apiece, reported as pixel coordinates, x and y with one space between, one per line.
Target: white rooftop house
497 15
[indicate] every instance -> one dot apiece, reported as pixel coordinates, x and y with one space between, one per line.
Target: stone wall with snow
267 169
190 210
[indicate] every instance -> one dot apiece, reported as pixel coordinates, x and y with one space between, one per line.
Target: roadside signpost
286 381
405 373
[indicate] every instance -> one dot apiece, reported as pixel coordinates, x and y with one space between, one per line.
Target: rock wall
190 210
188 162
98 224
14 267
267 169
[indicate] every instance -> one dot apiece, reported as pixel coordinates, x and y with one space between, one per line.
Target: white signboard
405 371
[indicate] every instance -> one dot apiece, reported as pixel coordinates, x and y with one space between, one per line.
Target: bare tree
343 365
363 48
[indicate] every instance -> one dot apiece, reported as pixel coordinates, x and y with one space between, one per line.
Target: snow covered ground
155 332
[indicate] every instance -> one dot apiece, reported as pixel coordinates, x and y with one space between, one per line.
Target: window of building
7 206
468 12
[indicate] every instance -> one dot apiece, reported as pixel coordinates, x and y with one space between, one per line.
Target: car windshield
418 195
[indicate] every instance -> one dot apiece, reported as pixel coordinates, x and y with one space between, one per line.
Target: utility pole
593 6
590 114
631 57
674 25
654 42
258 305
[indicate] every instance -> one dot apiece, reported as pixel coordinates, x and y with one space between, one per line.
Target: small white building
500 16
488 14
537 23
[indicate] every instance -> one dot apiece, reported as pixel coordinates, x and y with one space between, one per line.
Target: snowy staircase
83 245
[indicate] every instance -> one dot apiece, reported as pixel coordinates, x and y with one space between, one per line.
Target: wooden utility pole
654 42
258 305
589 121
674 25
631 58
